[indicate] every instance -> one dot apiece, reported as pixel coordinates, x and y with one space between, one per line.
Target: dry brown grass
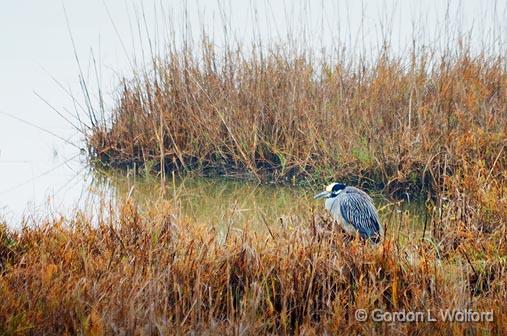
395 124
149 273
421 123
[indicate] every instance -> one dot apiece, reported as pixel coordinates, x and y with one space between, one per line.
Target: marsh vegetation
180 254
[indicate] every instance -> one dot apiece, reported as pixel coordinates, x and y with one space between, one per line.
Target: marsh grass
431 123
397 124
152 271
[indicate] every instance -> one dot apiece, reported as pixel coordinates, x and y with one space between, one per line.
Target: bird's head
331 191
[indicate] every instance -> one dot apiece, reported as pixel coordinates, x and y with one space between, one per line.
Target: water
226 203
42 170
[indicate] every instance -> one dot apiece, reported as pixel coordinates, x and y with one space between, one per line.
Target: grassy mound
401 125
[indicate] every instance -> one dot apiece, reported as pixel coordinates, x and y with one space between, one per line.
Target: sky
40 156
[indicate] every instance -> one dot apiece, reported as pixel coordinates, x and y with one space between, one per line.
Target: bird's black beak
324 194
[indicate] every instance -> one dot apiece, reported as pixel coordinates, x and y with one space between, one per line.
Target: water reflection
223 203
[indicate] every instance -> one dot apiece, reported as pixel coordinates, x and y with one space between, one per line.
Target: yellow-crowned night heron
353 209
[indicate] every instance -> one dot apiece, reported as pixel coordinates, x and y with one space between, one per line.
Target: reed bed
151 271
281 114
430 123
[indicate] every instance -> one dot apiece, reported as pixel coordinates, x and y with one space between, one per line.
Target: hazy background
42 174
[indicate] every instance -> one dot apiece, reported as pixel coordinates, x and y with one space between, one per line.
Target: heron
354 210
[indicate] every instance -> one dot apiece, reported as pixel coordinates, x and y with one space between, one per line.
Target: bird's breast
329 203
333 206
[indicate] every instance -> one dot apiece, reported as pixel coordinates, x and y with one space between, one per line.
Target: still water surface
223 203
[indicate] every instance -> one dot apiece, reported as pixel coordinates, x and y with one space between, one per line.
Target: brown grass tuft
146 272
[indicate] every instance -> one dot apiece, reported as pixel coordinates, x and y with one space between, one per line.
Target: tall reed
282 115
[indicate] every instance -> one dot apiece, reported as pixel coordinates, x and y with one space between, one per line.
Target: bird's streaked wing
359 212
